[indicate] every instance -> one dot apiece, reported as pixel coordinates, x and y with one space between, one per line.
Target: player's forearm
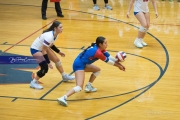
130 6
154 6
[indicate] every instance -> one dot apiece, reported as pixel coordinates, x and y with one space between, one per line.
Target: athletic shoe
108 7
61 15
143 43
44 17
137 43
62 101
90 88
35 85
67 78
96 7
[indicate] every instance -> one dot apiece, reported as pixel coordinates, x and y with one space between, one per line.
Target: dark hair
55 24
99 40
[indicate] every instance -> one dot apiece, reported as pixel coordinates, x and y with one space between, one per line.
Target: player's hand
62 54
156 15
127 15
121 67
50 66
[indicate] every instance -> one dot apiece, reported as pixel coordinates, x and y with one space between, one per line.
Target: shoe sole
144 45
108 9
89 91
137 46
36 88
67 80
62 103
96 10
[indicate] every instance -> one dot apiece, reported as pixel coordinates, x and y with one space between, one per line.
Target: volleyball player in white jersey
41 50
141 12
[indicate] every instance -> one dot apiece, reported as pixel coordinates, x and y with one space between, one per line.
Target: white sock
34 80
63 74
89 83
65 96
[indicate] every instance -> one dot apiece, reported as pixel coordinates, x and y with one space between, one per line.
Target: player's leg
78 67
43 9
142 29
147 16
107 6
80 75
43 70
53 57
58 9
95 72
96 7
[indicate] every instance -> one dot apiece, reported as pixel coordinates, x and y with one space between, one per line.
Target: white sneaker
35 85
108 7
137 43
143 43
62 101
67 78
90 88
96 7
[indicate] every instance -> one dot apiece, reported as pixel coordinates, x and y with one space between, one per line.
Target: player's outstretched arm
120 66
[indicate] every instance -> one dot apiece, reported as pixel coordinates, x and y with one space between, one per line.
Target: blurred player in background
141 12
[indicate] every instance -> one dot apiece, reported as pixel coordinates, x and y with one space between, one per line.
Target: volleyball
121 56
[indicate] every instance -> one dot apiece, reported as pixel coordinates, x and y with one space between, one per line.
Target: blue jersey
91 55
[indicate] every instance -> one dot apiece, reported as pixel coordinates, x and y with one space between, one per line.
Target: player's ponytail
55 24
99 40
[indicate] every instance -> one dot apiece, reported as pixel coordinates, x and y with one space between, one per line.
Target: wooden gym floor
147 90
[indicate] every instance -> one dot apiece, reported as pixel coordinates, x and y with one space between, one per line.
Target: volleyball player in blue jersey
83 63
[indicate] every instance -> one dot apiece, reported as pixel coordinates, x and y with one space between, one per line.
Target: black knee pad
43 70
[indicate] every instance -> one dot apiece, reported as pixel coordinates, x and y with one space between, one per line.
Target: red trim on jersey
99 54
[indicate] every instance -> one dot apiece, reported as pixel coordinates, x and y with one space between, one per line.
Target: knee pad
96 73
77 89
143 29
58 64
43 70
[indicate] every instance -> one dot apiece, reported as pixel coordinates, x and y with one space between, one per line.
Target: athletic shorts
33 51
136 13
78 65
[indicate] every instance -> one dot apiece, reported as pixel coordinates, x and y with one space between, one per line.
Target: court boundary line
78 11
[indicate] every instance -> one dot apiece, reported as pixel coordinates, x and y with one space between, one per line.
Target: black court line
78 99
150 85
77 11
105 96
53 88
14 99
30 45
5 43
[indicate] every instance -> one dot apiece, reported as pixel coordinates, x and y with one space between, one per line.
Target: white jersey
46 39
141 6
